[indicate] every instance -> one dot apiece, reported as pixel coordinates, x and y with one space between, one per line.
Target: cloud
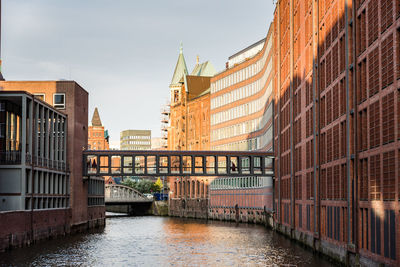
124 52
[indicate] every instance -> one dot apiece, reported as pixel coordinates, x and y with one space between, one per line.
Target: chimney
1 75
227 65
197 60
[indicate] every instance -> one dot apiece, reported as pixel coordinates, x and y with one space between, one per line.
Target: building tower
180 71
98 137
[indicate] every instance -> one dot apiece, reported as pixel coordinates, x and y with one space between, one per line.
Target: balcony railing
47 163
10 157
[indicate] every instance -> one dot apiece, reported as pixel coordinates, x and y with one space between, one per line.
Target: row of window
242 92
135 137
242 110
240 182
136 143
97 134
245 54
377 177
58 99
370 231
244 145
242 74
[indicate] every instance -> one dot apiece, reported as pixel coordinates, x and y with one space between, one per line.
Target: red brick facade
190 130
337 126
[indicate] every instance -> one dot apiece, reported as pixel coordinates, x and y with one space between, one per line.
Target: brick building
98 136
34 171
71 99
189 130
241 120
337 126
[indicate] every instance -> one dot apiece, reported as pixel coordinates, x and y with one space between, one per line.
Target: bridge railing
177 163
122 194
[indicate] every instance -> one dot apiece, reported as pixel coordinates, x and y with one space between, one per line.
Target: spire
96 118
180 68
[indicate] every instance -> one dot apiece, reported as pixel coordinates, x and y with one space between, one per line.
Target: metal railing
10 157
122 194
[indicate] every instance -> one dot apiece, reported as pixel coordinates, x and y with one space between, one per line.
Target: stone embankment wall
188 208
24 228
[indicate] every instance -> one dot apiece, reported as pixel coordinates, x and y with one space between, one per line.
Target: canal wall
24 228
257 216
160 208
342 254
189 208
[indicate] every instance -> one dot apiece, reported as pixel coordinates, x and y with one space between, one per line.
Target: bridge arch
119 194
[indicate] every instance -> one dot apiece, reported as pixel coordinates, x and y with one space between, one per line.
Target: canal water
162 241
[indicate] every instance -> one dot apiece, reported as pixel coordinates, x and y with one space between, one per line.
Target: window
2 130
373 81
373 21
59 100
40 96
389 179
375 183
386 14
388 118
374 125
387 61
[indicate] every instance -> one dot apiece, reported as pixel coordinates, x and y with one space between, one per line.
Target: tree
144 186
131 183
157 186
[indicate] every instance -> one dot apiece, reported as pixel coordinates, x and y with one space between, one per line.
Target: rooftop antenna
1 75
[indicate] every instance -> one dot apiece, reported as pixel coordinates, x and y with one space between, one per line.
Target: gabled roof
204 69
180 69
96 118
196 85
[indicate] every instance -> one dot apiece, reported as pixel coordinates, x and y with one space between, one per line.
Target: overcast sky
123 52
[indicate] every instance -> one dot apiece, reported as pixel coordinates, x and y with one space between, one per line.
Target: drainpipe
355 199
292 171
348 155
316 121
279 113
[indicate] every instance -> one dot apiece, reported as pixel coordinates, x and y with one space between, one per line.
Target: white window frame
59 106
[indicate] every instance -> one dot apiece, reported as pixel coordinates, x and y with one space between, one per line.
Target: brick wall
340 144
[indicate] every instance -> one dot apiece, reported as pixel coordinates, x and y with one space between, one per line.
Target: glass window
59 100
40 96
2 130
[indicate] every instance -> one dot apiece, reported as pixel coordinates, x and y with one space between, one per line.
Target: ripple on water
152 241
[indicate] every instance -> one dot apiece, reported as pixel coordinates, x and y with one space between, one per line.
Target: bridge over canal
177 163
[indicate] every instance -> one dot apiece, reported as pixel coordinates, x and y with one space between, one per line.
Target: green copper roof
180 69
204 69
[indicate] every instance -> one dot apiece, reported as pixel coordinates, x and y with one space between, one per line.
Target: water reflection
150 241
